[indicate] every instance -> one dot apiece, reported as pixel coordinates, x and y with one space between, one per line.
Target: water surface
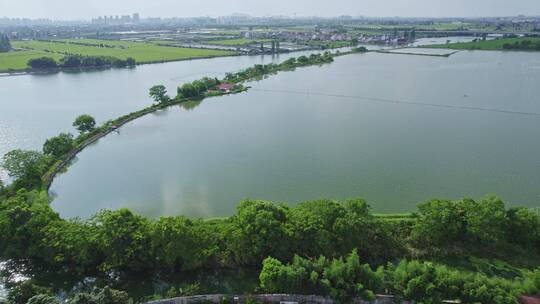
393 129
36 107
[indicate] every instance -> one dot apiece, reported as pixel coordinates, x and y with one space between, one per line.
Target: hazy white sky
85 9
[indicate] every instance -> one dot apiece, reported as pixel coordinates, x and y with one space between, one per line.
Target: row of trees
120 242
198 88
192 90
424 282
445 227
78 61
5 45
101 45
260 70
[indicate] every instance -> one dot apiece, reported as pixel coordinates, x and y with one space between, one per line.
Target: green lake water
393 129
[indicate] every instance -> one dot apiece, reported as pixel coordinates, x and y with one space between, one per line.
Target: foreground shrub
340 279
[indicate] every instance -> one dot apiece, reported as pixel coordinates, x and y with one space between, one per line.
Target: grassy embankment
487 45
140 51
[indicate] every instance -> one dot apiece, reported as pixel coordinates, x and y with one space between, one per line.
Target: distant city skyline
75 10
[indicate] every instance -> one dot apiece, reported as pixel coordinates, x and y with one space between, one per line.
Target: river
393 129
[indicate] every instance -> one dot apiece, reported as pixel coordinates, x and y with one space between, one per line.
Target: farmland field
141 52
18 60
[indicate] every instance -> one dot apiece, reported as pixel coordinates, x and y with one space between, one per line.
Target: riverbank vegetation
302 249
76 61
509 43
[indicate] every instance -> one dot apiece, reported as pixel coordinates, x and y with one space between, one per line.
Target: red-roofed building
225 87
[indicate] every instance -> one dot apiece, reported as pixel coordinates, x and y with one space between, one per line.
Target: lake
36 107
393 129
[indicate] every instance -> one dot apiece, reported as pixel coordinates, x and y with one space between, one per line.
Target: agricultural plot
18 60
140 51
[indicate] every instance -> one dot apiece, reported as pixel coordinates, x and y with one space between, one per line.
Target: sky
87 9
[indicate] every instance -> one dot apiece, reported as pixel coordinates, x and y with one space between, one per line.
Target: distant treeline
101 45
77 61
523 45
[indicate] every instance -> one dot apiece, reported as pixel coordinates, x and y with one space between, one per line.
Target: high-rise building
136 18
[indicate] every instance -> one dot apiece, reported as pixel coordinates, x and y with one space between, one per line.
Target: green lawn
237 42
18 60
487 45
142 52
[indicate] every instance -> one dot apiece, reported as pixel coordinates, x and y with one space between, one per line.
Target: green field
487 45
18 60
237 42
140 51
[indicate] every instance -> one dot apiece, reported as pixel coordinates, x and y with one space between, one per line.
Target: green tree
112 296
188 90
181 244
486 221
258 231
130 61
440 223
42 63
59 145
71 61
303 60
123 238
25 166
84 123
275 277
24 219
106 295
423 282
24 291
159 93
341 279
43 299
5 45
524 227
84 298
